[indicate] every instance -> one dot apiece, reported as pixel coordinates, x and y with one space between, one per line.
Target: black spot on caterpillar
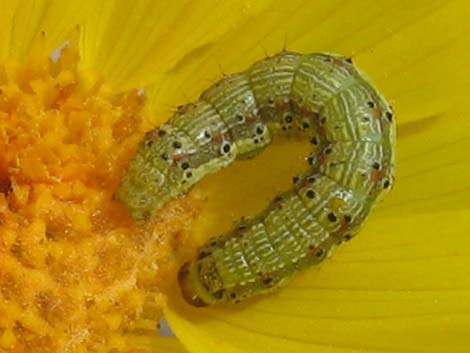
353 165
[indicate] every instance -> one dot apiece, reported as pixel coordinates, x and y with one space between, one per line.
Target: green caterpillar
352 165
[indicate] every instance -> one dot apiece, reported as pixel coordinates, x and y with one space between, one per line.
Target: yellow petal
19 26
60 19
133 42
423 67
433 173
403 284
155 344
23 22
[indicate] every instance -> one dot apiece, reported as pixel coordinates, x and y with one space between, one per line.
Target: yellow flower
403 285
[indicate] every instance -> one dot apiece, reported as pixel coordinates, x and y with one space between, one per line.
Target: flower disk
75 272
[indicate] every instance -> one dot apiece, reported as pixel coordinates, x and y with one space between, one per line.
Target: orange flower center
75 271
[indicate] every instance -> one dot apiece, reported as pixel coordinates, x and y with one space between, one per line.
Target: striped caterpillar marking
352 166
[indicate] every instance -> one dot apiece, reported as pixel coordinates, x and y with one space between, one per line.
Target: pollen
76 272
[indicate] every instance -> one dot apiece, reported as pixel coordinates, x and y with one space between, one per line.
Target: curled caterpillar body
352 166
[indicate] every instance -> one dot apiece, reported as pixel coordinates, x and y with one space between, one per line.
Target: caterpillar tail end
187 289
